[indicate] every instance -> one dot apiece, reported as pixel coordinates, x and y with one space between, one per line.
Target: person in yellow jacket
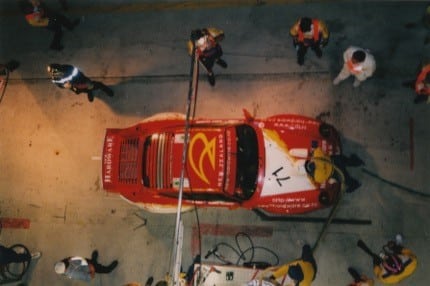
394 264
300 272
307 32
208 49
37 14
320 167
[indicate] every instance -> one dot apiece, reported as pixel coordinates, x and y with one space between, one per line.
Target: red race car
248 163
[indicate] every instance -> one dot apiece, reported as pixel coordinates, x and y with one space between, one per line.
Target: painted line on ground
9 222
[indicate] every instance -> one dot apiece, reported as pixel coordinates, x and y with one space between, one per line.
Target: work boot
318 52
90 96
221 63
113 265
149 281
94 255
356 83
300 60
211 79
354 274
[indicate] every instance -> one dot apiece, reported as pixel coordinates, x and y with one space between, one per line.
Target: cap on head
359 56
60 267
305 24
295 272
310 167
55 70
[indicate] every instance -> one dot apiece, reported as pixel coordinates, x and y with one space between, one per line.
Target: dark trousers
209 57
302 49
98 267
55 24
83 84
8 255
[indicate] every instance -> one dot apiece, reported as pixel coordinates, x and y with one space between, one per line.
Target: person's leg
317 49
343 74
208 64
301 52
64 21
58 35
104 269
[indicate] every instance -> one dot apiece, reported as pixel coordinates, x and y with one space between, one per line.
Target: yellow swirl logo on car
208 151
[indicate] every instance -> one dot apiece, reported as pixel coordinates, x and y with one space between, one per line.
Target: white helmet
60 267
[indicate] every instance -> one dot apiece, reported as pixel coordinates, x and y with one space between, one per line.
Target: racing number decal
280 179
208 151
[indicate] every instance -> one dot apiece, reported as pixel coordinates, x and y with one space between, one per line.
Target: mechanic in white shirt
357 62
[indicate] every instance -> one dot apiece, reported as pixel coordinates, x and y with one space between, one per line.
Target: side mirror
248 115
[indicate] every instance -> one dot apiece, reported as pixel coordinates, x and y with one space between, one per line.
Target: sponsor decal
107 159
207 153
177 183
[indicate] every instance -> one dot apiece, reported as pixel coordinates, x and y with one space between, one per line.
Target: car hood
284 169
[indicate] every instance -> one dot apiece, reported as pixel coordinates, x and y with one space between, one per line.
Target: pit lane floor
51 139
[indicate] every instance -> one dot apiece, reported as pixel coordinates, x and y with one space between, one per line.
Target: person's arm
294 31
420 85
325 34
347 54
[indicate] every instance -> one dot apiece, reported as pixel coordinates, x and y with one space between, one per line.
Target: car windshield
247 161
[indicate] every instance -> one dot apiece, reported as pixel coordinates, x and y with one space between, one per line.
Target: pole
178 239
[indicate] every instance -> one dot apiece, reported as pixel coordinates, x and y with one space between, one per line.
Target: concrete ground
51 139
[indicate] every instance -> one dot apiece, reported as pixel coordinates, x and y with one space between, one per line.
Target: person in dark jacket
70 77
208 48
37 14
